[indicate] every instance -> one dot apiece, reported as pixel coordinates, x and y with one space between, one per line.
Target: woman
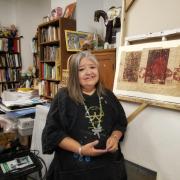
84 126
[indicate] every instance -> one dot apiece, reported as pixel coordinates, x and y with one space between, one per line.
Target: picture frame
149 73
69 10
75 40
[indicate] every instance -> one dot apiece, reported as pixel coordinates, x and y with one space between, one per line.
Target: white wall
7 15
85 16
152 141
153 137
152 16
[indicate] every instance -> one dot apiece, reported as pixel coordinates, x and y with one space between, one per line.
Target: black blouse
66 118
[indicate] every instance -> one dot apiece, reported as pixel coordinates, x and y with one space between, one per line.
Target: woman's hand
112 144
90 150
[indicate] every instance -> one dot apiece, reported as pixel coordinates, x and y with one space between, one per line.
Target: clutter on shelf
58 12
54 14
92 42
9 32
27 78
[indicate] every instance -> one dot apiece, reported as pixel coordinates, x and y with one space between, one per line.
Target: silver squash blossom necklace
95 119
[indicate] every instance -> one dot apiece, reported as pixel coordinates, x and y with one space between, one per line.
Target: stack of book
13 100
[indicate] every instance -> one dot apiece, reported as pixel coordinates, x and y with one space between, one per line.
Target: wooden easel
137 111
145 103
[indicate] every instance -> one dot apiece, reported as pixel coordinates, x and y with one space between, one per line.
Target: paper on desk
22 102
13 95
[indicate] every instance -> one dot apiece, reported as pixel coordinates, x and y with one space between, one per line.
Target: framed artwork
75 40
150 72
69 10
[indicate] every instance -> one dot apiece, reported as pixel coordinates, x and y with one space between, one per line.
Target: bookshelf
10 62
35 52
53 54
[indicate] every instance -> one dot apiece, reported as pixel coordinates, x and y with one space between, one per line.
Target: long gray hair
74 87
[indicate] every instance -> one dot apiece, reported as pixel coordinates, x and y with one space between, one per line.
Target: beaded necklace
95 119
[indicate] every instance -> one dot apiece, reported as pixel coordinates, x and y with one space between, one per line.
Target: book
16 164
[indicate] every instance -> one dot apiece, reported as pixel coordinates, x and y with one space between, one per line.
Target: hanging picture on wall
75 40
69 10
149 71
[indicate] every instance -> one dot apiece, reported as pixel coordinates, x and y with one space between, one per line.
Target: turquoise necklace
95 119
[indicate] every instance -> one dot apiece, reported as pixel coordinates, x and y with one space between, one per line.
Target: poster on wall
149 71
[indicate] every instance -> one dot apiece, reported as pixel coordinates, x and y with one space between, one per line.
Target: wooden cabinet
107 61
53 54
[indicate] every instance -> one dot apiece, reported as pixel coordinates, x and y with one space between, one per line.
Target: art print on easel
149 71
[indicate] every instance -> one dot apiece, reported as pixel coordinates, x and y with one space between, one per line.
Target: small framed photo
75 40
69 10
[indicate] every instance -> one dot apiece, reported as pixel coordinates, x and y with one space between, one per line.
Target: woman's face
88 74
